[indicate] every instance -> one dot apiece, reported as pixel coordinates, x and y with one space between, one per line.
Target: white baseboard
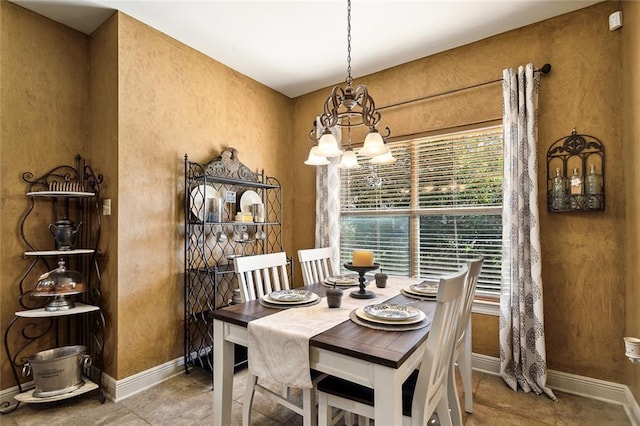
118 390
610 392
632 409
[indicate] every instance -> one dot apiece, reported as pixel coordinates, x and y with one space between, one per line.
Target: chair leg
464 364
363 421
452 396
324 410
348 418
309 408
443 412
248 399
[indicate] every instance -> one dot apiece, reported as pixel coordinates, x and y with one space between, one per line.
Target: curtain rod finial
546 68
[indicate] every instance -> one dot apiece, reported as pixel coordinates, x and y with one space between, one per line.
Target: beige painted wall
173 100
153 99
103 116
44 124
583 276
631 129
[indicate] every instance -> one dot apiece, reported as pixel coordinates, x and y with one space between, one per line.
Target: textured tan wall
174 100
631 84
582 253
43 104
103 112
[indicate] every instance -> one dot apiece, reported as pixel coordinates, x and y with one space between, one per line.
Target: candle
362 258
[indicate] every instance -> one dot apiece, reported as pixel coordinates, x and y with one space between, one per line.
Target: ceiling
296 47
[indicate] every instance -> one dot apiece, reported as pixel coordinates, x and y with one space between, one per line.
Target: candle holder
361 270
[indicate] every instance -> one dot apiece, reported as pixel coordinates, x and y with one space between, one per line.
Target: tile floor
187 400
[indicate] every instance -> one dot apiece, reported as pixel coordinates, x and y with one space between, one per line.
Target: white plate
344 280
290 296
248 198
428 288
410 293
198 206
360 313
391 311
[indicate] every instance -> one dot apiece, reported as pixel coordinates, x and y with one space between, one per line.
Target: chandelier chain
349 79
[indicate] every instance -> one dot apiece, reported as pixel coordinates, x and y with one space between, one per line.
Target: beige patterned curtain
523 359
328 203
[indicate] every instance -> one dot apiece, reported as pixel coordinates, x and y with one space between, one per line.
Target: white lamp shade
373 145
314 159
328 145
387 158
349 160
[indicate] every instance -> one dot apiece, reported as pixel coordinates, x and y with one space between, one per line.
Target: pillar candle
362 258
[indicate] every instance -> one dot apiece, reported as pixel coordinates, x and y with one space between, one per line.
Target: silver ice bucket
57 371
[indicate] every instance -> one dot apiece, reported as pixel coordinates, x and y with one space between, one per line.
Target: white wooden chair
316 264
462 348
425 391
259 275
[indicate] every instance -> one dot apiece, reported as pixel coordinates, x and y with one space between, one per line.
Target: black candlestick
361 270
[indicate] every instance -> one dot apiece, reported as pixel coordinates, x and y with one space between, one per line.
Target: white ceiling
296 47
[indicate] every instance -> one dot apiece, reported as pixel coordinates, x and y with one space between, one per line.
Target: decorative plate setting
391 311
363 315
290 296
425 288
343 280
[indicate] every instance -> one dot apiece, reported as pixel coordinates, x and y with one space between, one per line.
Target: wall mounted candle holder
575 171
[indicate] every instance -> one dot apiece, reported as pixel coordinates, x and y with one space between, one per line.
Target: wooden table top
388 348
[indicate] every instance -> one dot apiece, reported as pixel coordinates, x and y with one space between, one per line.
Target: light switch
106 207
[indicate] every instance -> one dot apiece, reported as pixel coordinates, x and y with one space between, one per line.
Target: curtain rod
457 128
546 69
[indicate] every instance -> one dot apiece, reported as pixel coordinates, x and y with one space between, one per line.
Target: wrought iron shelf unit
71 192
570 188
213 237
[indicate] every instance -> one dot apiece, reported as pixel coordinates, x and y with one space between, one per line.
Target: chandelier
348 108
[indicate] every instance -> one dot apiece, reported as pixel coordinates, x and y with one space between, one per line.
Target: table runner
278 347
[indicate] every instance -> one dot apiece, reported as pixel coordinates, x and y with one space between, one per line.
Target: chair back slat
316 264
471 280
261 274
432 379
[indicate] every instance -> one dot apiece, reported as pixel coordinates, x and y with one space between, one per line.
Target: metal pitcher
65 233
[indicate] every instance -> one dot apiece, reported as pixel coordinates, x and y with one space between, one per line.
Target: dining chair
259 275
425 391
462 347
316 264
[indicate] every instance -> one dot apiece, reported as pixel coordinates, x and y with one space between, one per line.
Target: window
437 206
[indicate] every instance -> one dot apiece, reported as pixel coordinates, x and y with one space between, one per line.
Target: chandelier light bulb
387 158
328 145
349 160
315 159
374 145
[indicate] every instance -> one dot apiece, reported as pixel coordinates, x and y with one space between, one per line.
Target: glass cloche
60 283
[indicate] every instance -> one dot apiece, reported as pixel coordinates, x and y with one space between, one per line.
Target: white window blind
437 206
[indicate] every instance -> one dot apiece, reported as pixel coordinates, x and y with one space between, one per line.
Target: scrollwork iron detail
568 159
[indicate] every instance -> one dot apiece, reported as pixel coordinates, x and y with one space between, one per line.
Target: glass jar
577 189
594 188
558 192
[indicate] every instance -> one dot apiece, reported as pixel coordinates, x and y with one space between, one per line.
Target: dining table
379 359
